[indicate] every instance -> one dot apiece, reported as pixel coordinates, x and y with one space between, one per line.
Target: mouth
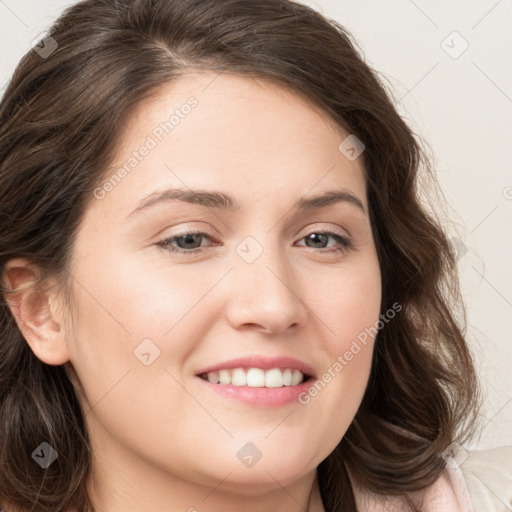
257 377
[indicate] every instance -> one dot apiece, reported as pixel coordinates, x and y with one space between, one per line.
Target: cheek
349 305
133 300
128 309
349 308
124 315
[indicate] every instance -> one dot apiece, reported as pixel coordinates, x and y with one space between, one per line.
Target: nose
265 295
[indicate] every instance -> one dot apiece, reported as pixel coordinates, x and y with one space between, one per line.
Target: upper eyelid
338 230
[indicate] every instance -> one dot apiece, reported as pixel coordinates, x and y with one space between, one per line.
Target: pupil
188 239
314 237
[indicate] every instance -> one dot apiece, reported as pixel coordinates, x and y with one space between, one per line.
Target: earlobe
33 307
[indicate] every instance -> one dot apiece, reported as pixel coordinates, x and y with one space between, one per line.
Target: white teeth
224 377
256 377
213 377
296 377
287 378
239 377
274 378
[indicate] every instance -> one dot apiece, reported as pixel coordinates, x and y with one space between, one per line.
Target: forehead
250 137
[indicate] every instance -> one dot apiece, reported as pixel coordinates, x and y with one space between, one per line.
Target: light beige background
460 103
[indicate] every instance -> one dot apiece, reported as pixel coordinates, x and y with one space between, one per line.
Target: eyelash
345 243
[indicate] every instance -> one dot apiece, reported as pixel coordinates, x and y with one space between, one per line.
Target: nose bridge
264 292
263 262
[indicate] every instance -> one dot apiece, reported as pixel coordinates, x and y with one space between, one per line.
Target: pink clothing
473 481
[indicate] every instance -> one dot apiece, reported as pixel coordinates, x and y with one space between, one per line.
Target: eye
189 242
320 237
185 240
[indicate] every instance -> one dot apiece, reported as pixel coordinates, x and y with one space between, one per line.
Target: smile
256 377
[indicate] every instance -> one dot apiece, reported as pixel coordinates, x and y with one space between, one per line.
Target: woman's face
254 283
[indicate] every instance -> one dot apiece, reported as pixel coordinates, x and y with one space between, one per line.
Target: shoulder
487 475
476 480
473 481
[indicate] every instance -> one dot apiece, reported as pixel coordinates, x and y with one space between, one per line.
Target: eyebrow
222 201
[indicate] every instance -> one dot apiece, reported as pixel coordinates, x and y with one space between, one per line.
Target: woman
302 353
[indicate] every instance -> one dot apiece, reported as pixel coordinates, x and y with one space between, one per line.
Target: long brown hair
59 118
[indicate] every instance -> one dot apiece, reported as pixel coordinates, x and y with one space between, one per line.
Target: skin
161 440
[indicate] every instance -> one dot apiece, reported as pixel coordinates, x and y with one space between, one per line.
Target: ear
37 311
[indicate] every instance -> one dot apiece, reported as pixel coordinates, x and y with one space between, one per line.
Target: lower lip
263 397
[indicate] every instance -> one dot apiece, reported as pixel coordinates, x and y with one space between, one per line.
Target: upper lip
263 362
